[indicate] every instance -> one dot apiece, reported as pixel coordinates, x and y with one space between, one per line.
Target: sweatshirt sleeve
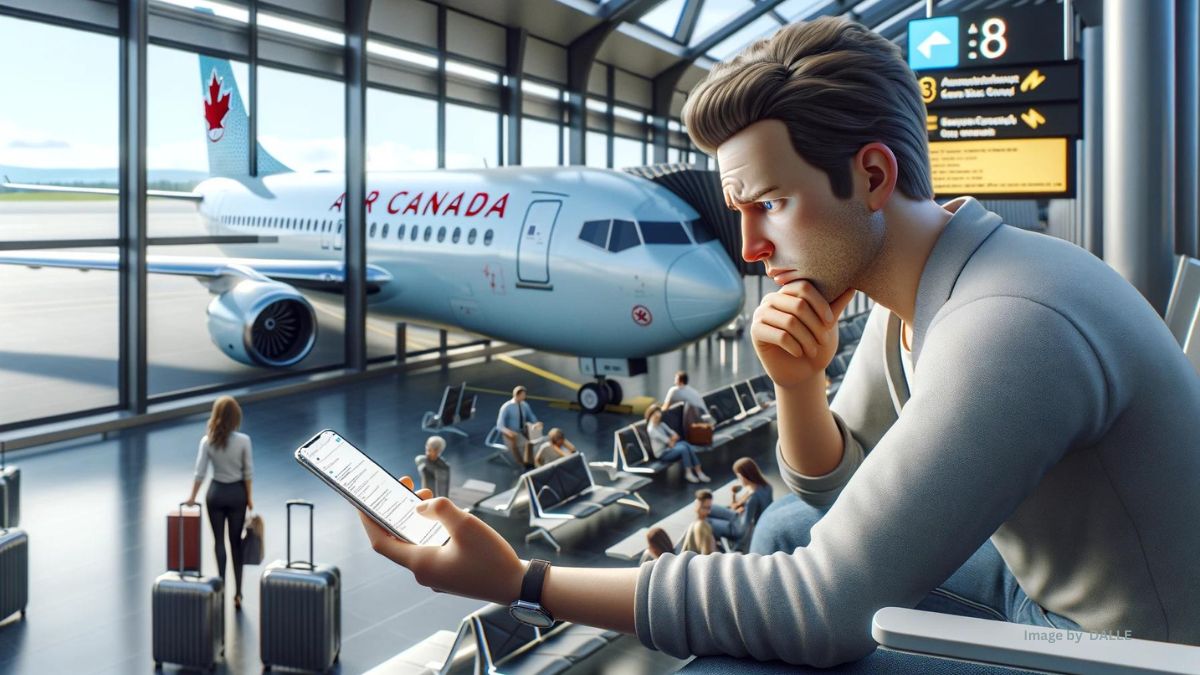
202 461
248 461
1005 387
863 411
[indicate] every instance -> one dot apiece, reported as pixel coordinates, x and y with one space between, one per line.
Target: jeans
681 451
226 502
727 523
983 587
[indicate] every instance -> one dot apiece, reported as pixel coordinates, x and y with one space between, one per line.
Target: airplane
595 263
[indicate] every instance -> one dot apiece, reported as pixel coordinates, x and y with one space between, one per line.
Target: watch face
531 614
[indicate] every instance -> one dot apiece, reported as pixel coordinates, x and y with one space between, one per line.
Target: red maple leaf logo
216 107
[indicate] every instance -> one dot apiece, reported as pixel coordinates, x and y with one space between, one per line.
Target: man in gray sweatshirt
1011 395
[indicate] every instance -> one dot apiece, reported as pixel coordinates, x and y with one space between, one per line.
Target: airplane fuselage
499 252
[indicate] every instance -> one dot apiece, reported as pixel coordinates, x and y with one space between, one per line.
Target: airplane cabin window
415 231
487 238
400 231
471 236
457 234
700 231
624 235
372 234
340 223
441 234
383 233
664 232
428 232
595 232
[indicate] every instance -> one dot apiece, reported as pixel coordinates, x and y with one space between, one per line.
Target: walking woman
229 493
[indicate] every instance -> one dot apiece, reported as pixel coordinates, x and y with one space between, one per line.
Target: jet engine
263 323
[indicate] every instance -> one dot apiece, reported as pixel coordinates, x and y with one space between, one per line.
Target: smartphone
369 487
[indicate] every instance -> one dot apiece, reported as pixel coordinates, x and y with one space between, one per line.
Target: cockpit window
595 232
624 235
700 231
664 233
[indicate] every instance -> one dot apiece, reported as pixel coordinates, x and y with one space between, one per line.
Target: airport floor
95 512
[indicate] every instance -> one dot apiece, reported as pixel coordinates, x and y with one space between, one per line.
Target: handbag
699 433
252 540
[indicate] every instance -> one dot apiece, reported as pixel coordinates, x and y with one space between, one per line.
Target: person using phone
555 447
751 497
1015 436
230 492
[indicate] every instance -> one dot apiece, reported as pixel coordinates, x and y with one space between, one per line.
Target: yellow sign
1032 80
1033 118
1019 166
931 122
928 89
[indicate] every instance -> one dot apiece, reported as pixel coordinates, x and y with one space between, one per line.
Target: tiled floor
95 511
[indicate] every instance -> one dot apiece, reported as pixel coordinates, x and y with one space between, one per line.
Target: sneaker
690 478
704 477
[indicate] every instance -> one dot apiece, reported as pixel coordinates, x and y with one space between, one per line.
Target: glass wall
472 137
627 152
401 132
539 142
60 343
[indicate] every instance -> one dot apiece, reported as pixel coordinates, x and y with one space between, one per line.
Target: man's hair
556 434
703 494
519 389
682 377
836 85
436 442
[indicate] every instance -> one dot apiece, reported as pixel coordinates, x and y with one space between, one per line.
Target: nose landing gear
594 396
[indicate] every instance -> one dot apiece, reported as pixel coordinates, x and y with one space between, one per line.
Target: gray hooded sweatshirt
1051 410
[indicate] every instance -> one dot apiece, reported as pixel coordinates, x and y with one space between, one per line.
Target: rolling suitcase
188 617
10 494
301 620
14 570
190 532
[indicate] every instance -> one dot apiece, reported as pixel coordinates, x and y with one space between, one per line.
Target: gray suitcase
14 570
10 494
301 620
188 618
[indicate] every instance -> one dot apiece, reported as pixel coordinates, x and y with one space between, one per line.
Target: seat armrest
1027 646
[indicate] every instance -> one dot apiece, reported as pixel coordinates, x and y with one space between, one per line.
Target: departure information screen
374 487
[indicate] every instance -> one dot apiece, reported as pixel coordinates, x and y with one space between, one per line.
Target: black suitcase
14 570
188 618
10 494
301 619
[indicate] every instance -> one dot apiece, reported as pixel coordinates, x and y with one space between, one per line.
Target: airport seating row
675 525
456 407
735 410
489 640
560 492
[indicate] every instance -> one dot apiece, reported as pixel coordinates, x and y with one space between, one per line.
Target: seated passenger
433 470
694 409
658 542
511 421
1015 437
556 446
751 497
668 447
699 536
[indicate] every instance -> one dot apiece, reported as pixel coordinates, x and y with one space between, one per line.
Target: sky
61 111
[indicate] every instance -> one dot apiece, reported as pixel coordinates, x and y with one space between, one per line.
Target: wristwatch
528 608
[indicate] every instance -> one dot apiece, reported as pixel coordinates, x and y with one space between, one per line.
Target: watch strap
531 584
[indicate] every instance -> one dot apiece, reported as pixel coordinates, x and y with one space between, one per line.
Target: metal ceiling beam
744 19
687 21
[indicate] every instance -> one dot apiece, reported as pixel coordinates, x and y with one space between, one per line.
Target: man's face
791 219
703 508
432 452
519 396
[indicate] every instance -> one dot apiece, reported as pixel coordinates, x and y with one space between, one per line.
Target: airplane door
533 248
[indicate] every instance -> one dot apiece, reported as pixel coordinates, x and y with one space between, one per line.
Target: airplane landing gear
593 396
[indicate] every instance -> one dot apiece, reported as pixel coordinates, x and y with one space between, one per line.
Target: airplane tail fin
226 124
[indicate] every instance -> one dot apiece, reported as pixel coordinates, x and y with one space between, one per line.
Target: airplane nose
704 292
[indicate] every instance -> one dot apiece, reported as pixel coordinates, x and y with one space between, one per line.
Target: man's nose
755 247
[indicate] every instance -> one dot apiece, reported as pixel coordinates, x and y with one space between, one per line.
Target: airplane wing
217 273
38 187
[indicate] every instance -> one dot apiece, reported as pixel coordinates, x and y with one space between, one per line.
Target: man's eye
769 205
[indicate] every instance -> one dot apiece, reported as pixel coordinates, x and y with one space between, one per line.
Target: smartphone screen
369 487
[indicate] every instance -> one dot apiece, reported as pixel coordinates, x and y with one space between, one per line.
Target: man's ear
876 168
